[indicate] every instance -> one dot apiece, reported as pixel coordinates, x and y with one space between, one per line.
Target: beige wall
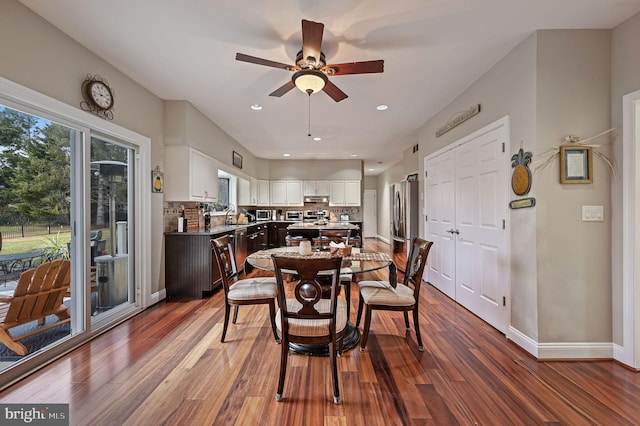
186 125
507 89
555 83
574 263
625 78
36 55
315 169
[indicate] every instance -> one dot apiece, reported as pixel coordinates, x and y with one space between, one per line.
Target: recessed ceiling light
317 138
354 155
256 107
286 155
382 107
371 170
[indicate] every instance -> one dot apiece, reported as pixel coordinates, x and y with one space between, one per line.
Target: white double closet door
466 196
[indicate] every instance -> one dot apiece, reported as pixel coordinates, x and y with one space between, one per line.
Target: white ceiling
433 50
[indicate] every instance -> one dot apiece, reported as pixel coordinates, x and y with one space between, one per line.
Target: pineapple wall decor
521 176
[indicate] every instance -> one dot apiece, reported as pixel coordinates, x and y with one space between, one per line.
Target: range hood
316 199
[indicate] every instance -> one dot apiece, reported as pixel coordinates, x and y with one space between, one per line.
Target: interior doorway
370 216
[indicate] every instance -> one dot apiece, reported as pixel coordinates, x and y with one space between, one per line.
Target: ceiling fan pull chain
309 134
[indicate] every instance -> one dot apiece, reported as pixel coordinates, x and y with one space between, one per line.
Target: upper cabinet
344 193
316 187
244 192
286 193
263 193
189 175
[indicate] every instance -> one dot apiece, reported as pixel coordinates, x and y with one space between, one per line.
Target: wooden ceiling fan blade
312 39
283 89
254 60
334 92
364 67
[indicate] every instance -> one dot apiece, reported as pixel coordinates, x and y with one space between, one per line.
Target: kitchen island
311 230
316 226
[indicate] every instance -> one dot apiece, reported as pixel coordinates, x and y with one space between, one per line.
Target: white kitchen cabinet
336 193
244 192
263 193
189 175
316 187
253 191
278 192
352 193
344 193
286 193
294 193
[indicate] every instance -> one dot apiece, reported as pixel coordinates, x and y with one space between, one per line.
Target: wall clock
98 97
521 176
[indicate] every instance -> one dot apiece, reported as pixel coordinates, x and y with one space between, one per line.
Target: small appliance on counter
294 215
344 218
263 214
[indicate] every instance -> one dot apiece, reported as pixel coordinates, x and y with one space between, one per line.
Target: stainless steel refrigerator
404 215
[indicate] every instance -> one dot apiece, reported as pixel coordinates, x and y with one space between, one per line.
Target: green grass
26 244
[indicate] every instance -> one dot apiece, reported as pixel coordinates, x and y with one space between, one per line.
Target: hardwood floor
167 366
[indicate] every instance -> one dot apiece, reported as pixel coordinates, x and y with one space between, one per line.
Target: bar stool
293 240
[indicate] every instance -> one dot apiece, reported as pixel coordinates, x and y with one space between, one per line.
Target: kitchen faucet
230 209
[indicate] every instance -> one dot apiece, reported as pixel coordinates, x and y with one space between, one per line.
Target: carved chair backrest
223 252
308 288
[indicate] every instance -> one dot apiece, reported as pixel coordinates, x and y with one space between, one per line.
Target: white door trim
629 353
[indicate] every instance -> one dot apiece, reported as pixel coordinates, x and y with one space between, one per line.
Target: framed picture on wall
576 164
237 160
157 181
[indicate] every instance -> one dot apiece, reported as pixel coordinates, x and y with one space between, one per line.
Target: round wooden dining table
357 262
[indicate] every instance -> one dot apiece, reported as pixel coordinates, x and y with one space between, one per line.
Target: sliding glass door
112 207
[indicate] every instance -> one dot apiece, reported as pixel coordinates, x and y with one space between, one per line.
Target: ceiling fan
311 70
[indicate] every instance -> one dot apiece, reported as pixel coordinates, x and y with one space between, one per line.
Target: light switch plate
592 213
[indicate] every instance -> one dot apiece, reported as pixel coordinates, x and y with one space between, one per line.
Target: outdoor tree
35 172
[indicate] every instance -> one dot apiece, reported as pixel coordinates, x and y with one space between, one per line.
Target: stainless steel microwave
294 215
263 214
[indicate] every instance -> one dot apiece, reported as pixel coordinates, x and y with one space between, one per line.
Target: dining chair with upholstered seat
393 296
238 292
304 316
326 237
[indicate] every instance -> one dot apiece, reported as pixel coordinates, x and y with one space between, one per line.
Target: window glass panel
110 207
35 211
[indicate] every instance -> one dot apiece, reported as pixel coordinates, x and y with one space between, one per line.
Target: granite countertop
328 225
222 229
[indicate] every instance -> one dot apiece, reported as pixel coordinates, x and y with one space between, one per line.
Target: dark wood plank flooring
167 366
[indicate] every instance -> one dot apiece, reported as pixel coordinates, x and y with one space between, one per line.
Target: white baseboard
561 350
522 340
384 240
157 297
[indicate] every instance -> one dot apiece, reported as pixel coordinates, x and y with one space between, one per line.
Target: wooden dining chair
325 237
237 292
393 296
307 318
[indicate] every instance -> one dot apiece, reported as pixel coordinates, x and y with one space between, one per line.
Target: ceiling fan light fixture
309 81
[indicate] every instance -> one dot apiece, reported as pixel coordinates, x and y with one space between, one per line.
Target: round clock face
100 94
